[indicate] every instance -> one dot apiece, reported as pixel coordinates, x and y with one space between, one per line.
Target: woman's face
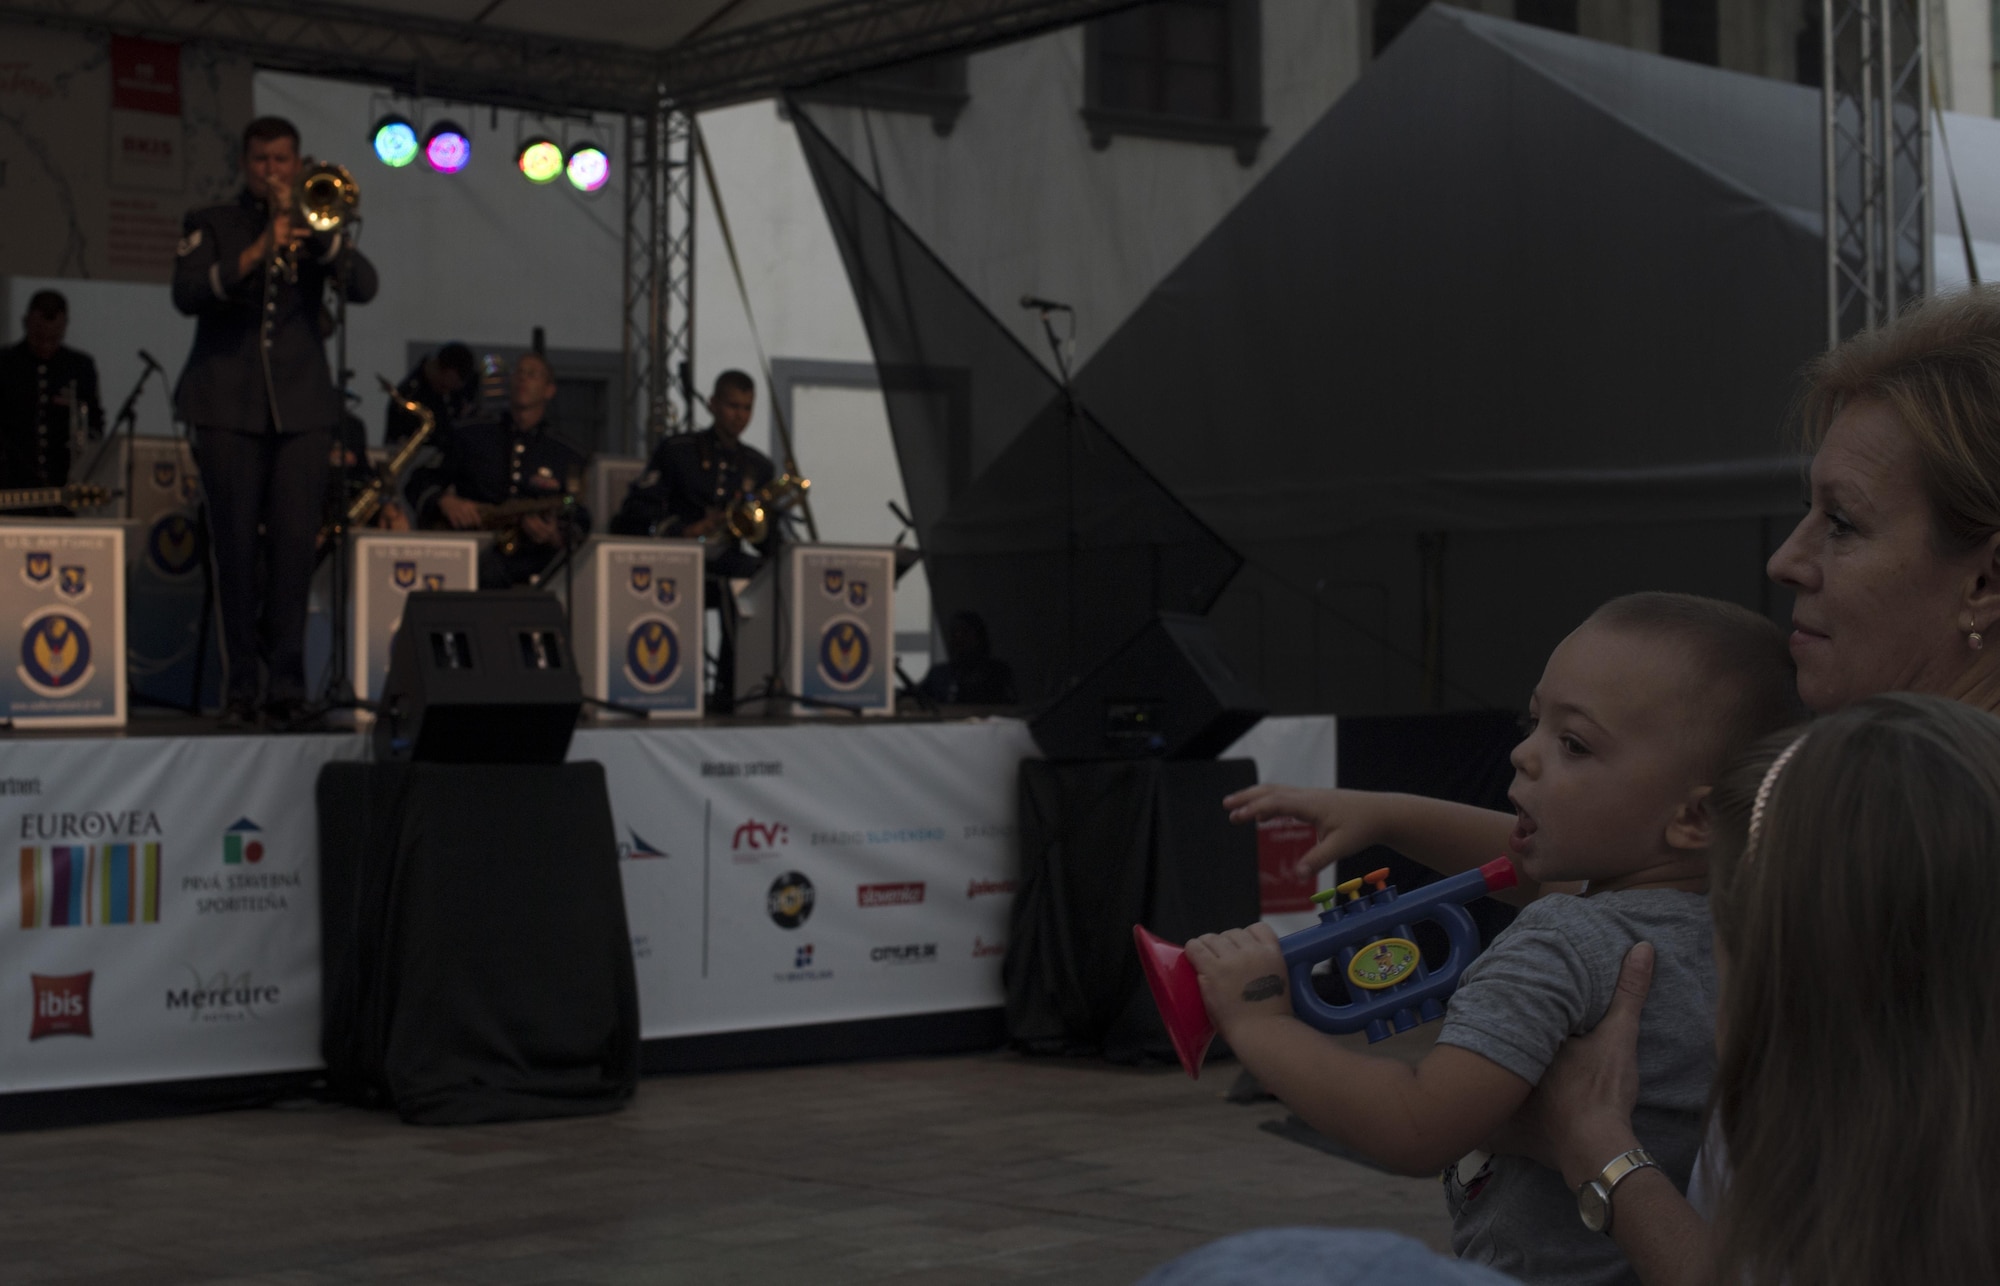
1879 604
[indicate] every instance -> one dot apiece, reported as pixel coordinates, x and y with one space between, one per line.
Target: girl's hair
1859 1035
1938 369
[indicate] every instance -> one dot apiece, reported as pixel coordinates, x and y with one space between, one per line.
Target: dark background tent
1514 328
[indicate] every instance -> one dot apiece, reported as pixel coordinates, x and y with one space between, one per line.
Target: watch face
1593 1203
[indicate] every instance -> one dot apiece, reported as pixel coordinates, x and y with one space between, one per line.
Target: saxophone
363 508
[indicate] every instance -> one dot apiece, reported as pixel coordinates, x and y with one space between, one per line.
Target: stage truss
1876 144
659 274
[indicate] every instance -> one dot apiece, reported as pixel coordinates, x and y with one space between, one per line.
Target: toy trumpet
1368 933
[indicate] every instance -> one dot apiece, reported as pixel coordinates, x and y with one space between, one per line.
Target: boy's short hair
1739 664
734 382
48 304
266 128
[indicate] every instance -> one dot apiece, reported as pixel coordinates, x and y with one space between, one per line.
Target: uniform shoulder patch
188 243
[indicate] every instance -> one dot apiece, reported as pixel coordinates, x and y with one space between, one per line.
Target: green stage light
395 141
540 160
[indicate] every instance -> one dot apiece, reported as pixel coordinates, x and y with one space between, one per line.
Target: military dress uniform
263 407
689 475
35 410
492 461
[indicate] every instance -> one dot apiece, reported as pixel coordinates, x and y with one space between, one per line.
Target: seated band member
446 381
520 456
263 407
44 388
693 479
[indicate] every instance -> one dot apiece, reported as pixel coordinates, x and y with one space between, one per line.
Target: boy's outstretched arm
1414 1120
1446 837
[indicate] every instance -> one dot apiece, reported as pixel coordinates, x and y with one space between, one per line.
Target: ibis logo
62 1005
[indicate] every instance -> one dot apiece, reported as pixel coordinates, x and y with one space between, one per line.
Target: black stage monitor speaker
479 678
1167 694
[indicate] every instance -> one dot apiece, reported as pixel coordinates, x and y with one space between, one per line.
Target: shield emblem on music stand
72 583
668 591
433 580
857 594
163 474
832 579
642 580
39 567
406 575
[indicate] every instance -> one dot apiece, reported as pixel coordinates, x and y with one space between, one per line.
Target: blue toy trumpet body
1364 926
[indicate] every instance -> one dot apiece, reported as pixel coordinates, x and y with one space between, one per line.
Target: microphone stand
126 420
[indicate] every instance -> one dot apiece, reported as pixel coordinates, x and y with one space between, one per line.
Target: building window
1556 15
1690 29
1179 69
933 87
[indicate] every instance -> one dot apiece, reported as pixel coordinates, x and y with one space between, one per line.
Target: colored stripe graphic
96 886
31 869
118 867
232 850
151 908
70 877
63 890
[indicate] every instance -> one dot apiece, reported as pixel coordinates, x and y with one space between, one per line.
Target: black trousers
265 495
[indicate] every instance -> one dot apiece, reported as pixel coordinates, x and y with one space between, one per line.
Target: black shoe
238 715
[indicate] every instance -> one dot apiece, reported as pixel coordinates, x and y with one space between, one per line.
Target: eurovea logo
909 893
70 885
62 1005
844 653
173 546
55 652
243 842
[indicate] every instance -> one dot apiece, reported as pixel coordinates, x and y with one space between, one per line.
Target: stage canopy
579 55
1512 329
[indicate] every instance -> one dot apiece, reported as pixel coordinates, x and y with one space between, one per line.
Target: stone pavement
983 1168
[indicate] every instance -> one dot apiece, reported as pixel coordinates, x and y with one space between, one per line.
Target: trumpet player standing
262 405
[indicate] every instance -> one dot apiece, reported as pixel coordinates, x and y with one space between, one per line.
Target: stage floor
947 1172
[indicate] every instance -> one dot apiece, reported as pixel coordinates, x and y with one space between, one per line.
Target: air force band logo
642 580
845 656
72 583
667 591
172 546
652 654
39 566
164 474
831 581
406 575
55 653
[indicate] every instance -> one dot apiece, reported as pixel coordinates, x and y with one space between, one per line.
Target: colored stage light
589 167
395 141
541 160
447 148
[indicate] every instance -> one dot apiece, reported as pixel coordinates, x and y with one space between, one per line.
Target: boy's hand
1347 821
1242 975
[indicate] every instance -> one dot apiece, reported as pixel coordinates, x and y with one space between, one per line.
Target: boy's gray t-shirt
1550 975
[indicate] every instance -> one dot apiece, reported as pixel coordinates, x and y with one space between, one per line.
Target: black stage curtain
1104 846
477 963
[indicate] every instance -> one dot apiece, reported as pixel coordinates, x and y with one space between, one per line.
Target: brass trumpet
326 196
750 517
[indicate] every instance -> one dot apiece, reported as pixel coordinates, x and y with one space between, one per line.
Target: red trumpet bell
1177 992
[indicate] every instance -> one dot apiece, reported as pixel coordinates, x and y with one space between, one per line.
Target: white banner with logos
162 920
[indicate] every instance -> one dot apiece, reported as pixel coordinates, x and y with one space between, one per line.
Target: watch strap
1620 1168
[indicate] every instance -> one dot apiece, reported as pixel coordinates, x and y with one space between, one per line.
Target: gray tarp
1514 328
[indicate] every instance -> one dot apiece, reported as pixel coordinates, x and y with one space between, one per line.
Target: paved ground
959 1171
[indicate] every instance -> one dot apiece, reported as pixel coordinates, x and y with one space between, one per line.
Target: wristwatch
1593 1199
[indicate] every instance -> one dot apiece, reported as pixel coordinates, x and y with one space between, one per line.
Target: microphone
1044 305
147 358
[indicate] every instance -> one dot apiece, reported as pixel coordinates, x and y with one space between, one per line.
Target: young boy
1636 713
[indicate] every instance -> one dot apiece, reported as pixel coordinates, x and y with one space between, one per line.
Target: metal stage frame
1876 100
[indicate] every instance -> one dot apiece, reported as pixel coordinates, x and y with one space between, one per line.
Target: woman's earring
1974 641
